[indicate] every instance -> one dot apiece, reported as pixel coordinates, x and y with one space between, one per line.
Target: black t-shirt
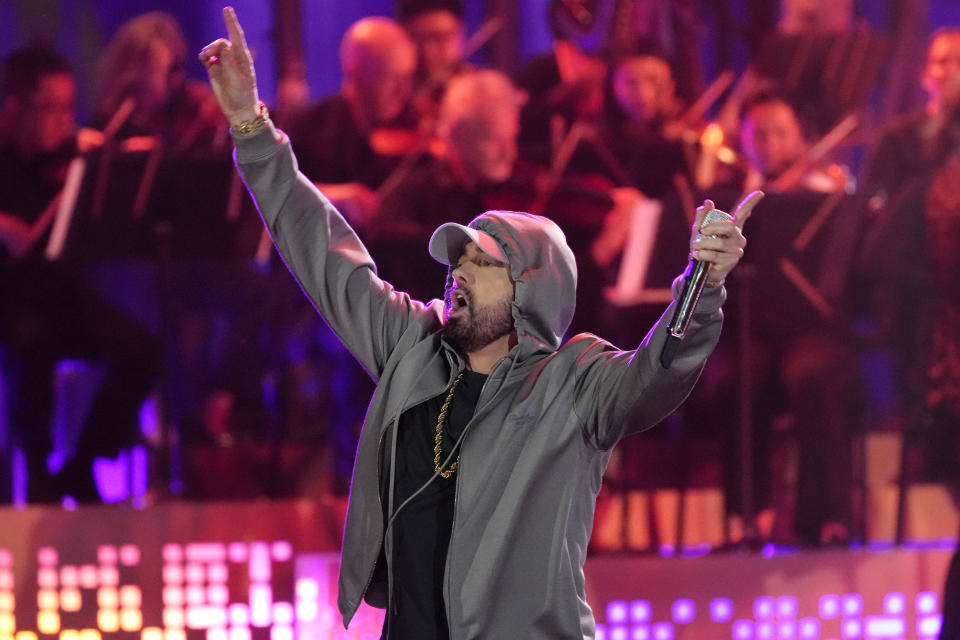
421 532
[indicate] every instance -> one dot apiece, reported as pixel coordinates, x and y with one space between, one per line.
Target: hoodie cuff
259 145
711 298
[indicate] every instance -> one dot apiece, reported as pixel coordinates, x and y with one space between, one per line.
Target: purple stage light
786 608
852 629
619 633
663 631
809 629
894 604
743 630
640 611
765 631
683 611
929 626
885 627
763 608
640 633
721 610
600 633
616 612
852 605
926 602
787 631
829 606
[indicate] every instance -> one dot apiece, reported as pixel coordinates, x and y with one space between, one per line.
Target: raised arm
621 392
319 247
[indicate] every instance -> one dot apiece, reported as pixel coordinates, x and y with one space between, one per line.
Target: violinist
48 313
475 152
439 33
346 142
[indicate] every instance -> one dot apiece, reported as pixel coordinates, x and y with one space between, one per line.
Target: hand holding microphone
716 247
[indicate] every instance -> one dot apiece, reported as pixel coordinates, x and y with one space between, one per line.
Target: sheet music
630 288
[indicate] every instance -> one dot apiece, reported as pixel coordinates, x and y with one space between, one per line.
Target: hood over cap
542 267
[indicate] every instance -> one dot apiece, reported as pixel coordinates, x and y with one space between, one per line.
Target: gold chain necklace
438 440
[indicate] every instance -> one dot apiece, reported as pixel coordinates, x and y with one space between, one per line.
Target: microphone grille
715 215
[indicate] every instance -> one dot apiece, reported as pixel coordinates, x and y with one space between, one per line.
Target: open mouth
458 300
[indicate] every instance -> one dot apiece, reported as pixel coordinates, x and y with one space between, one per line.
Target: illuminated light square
206 552
90 634
217 573
237 552
172 574
640 611
926 602
6 579
8 623
261 601
851 629
151 633
766 631
616 612
282 613
48 622
196 595
895 604
851 605
8 602
70 634
307 589
109 576
206 617
129 555
763 608
4 636
640 633
174 634
787 631
663 631
240 633
239 615
25 635
218 594
886 627
48 578
787 607
6 558
281 633
108 598
195 574
929 626
173 618
89 578
131 619
260 567
281 550
600 633
173 596
618 633
217 634
47 556
71 600
69 576
107 554
307 610
721 609
108 620
743 630
829 607
130 597
683 611
172 553
809 629
48 599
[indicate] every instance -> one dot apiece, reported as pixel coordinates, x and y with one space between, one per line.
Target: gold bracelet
252 126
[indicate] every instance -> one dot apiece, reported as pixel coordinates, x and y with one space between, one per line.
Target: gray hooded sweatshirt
533 455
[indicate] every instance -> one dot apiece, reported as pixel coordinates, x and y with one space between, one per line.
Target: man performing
485 441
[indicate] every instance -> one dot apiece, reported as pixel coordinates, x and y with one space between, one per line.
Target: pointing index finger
234 29
745 208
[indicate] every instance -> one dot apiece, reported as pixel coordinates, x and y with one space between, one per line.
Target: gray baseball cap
447 242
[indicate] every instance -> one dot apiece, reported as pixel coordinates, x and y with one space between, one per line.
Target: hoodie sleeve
623 392
325 255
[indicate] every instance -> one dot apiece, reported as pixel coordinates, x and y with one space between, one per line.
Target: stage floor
267 569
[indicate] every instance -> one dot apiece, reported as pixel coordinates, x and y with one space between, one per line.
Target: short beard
480 328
